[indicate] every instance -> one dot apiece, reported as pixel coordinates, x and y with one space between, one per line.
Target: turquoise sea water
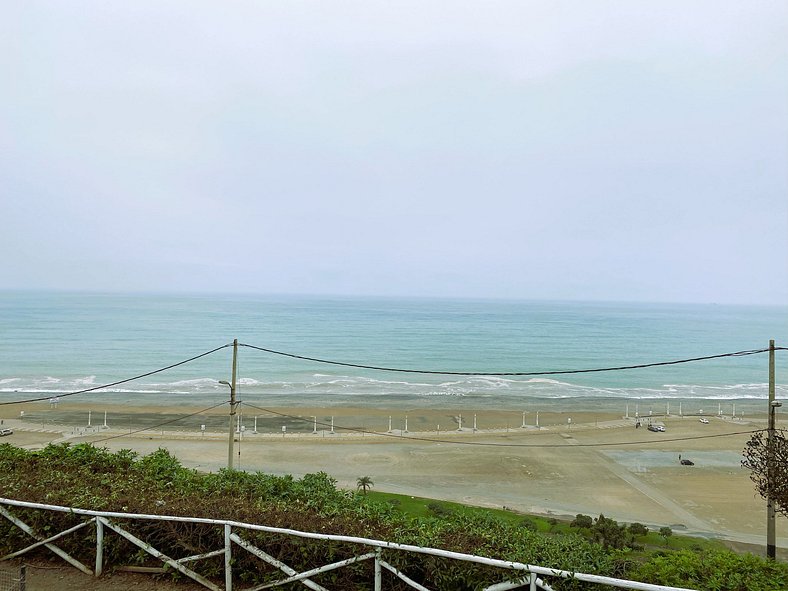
55 343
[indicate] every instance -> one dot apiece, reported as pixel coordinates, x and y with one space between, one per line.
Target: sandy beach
597 463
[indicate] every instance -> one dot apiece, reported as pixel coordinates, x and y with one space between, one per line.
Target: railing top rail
506 564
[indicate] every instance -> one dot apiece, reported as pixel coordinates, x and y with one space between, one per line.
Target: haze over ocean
54 343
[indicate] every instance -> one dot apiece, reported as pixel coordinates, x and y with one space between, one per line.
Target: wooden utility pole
232 406
771 546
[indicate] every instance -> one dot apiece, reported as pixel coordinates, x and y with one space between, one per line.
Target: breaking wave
338 389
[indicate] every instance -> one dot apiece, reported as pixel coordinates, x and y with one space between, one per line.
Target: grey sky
575 150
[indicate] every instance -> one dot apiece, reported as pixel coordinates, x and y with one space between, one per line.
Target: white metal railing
530 576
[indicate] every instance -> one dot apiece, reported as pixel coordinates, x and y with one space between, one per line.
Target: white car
704 420
4 432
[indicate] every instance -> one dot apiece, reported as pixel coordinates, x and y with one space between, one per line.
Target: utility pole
231 384
771 546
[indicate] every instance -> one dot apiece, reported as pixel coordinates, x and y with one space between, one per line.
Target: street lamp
232 423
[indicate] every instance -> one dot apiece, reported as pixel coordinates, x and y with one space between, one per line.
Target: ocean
52 344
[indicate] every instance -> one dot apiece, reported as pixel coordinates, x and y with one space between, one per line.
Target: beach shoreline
420 416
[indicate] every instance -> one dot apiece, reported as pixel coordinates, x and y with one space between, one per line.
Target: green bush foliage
717 571
638 529
582 521
92 478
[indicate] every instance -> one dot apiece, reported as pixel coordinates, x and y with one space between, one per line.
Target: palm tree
363 483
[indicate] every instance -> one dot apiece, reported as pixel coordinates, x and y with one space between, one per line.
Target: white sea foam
193 383
32 390
336 387
142 391
84 382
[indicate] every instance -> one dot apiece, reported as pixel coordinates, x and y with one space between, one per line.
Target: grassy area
420 507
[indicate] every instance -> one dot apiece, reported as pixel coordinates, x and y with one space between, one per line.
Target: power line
509 373
159 425
598 444
400 370
137 377
492 444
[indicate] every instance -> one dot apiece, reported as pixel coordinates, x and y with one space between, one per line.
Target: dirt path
42 575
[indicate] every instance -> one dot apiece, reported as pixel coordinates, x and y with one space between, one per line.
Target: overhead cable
102 386
159 425
395 369
509 373
492 444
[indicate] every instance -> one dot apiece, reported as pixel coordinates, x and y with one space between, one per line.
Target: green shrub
638 529
582 521
529 524
716 571
439 510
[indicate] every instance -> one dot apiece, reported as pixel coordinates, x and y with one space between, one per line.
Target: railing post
378 570
533 582
99 546
23 578
228 569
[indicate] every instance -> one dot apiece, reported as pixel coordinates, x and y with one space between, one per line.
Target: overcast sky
588 150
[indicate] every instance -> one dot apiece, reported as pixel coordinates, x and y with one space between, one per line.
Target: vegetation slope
92 478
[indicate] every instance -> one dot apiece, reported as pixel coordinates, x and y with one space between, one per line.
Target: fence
13 581
515 575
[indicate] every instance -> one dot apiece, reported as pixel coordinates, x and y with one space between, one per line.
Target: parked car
704 420
4 432
653 428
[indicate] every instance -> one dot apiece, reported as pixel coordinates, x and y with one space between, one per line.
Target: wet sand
599 464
